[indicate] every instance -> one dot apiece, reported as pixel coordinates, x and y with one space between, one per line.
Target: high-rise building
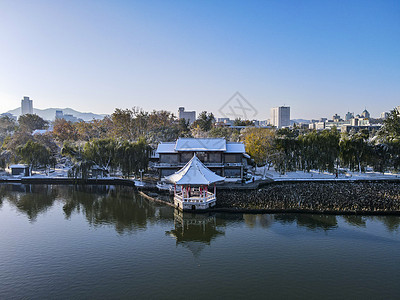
280 116
59 114
336 118
349 116
365 114
187 115
67 117
384 115
26 106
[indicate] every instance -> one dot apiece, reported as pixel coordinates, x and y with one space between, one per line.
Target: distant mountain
297 121
50 113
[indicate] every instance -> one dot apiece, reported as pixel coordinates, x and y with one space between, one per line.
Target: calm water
106 242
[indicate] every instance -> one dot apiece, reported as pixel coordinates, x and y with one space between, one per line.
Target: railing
233 164
197 198
207 164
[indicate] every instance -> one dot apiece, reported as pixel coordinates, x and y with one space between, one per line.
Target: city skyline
191 115
318 57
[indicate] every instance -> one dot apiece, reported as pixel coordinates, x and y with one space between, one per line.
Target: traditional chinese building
224 158
191 186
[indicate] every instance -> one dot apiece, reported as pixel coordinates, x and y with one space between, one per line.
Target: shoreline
367 197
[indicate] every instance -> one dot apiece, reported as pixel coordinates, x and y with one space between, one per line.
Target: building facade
280 116
187 115
67 117
365 114
349 116
226 159
384 115
26 106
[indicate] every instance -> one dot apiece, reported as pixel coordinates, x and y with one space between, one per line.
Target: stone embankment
325 197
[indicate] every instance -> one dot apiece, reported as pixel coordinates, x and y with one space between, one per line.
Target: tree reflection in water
127 211
358 221
195 231
29 199
258 220
324 222
118 206
392 223
115 205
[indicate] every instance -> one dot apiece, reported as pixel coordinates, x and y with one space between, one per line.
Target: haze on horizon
318 57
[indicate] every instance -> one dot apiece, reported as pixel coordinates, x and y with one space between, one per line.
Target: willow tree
81 166
101 152
354 152
35 155
127 158
319 150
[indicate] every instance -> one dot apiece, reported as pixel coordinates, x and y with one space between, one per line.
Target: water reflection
31 200
358 221
324 222
126 211
109 206
392 223
263 221
117 206
101 205
195 231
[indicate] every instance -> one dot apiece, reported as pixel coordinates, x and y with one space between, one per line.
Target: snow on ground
139 183
54 173
316 175
261 172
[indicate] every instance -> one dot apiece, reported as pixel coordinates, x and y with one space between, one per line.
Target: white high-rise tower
26 106
280 116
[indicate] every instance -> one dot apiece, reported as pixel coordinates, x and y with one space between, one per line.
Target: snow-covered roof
235 148
166 148
18 166
39 131
193 144
194 173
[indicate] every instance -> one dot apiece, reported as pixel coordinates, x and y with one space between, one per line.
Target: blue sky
318 57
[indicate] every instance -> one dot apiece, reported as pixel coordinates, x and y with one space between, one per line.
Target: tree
34 154
6 156
319 150
162 126
7 127
101 152
122 120
19 138
204 121
354 151
81 166
391 125
64 130
31 122
259 144
240 122
380 157
132 157
140 122
230 134
183 128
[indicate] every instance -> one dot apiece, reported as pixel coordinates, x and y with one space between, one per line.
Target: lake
60 241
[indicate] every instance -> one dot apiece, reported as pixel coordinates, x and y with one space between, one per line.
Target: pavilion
193 181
